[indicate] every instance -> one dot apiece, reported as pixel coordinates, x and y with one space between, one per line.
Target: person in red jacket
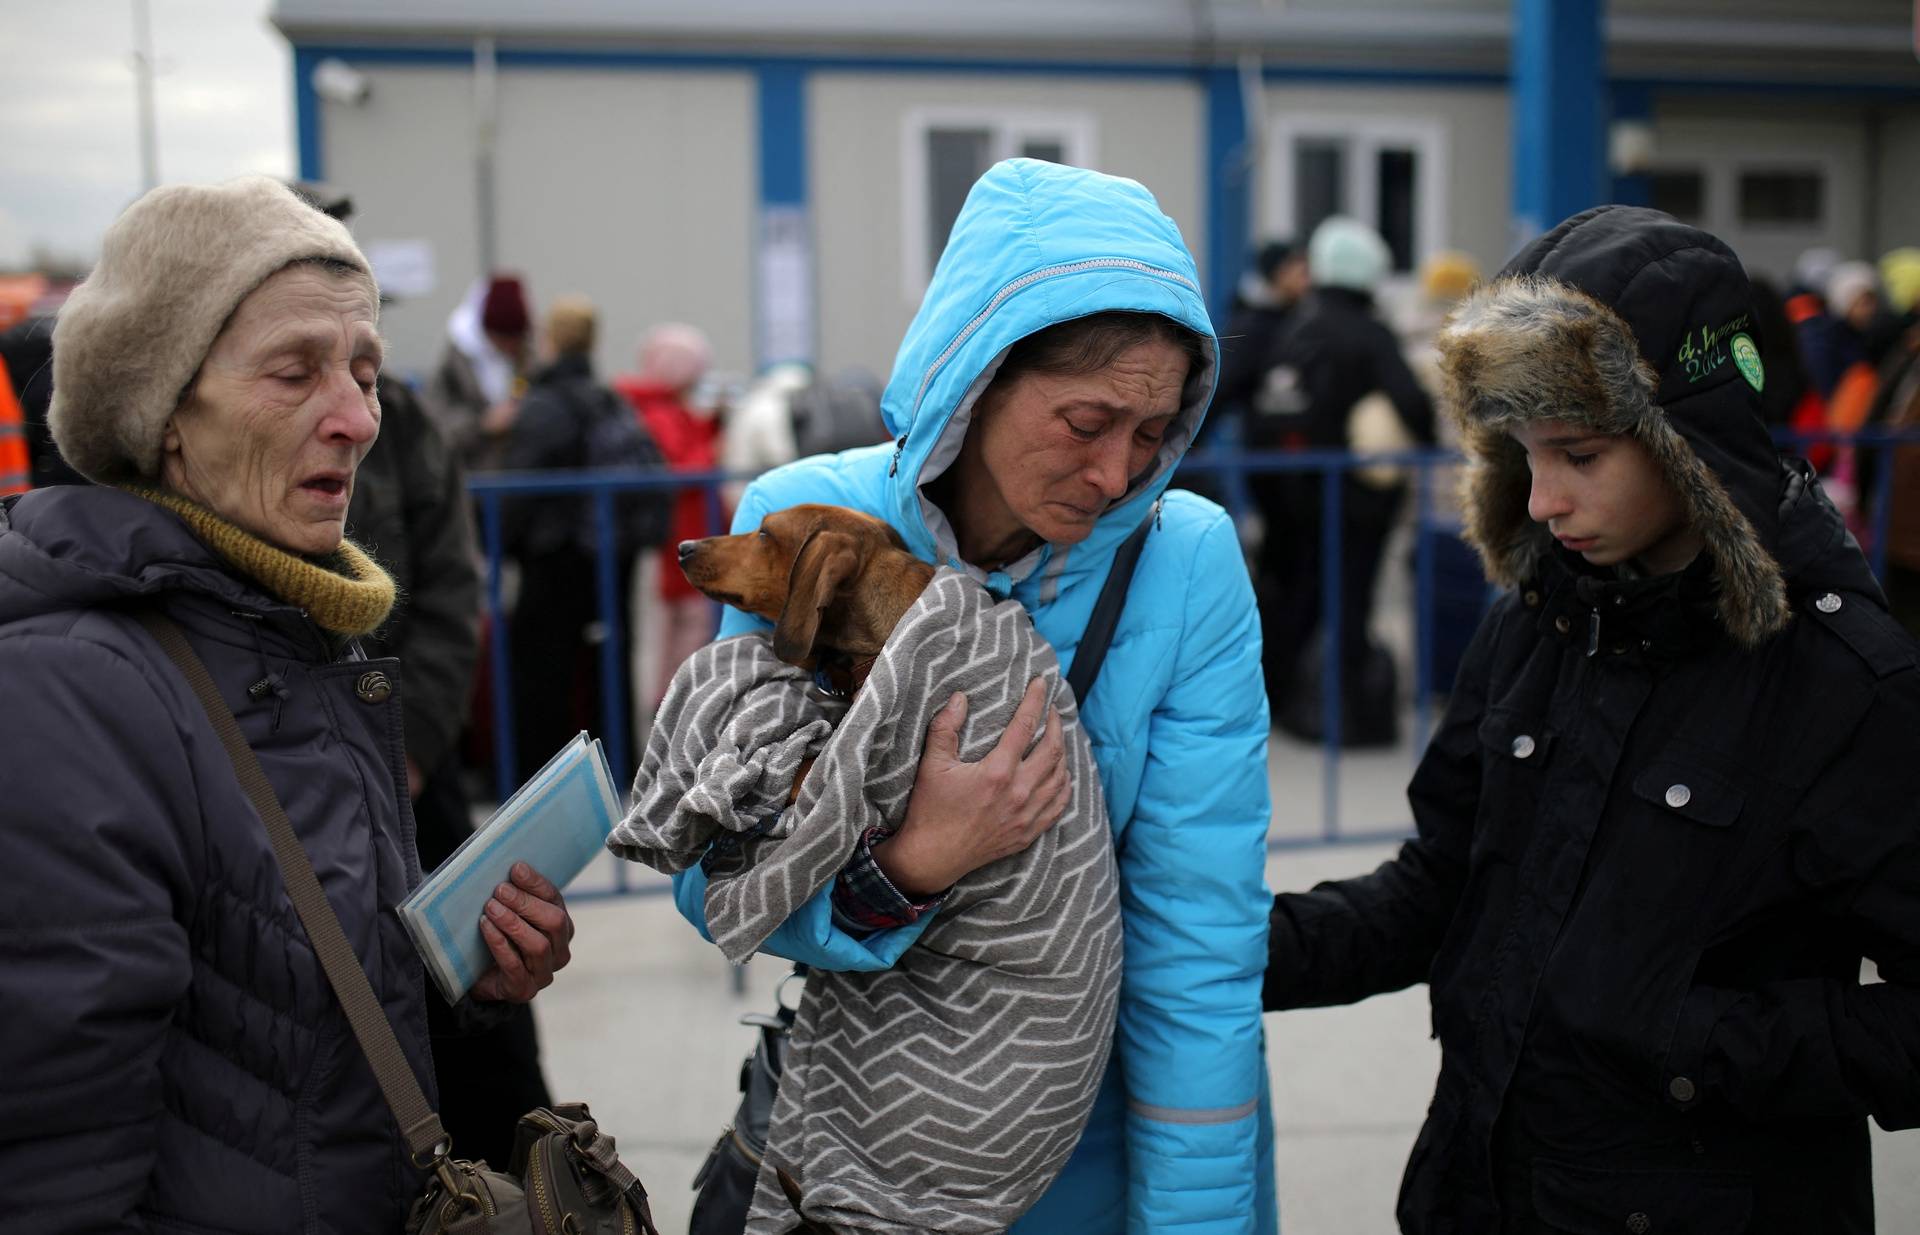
673 359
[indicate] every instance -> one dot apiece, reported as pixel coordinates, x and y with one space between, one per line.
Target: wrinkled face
1059 451
1605 497
282 410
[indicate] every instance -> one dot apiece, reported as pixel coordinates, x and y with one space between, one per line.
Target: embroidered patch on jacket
1704 350
1746 355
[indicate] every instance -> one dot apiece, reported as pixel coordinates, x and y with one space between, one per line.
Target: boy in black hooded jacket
1675 799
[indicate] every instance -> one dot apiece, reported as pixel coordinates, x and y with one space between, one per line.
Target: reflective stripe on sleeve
1186 1115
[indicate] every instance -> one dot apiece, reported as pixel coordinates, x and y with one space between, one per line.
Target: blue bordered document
556 823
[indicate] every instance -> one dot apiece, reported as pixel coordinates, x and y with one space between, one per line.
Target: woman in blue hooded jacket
1028 469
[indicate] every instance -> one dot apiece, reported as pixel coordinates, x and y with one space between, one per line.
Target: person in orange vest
15 468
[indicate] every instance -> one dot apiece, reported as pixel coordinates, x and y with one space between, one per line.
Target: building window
1781 198
1681 192
1386 173
946 151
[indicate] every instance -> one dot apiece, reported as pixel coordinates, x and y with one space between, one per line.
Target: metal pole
1332 677
505 772
1882 512
1423 605
613 642
143 96
486 121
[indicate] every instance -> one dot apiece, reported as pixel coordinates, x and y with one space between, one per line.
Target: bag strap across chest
419 1125
1105 618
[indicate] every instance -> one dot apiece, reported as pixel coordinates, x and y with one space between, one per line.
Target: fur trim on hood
1532 347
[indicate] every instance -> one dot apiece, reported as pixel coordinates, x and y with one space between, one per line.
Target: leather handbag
564 1177
725 1182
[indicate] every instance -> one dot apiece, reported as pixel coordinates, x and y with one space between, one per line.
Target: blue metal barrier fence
1231 469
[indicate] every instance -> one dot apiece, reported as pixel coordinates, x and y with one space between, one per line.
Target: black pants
556 657
487 1078
1289 562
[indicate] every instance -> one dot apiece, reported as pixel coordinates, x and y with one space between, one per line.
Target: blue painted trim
1224 178
1384 75
562 57
783 133
1559 73
306 114
1333 679
461 56
1846 90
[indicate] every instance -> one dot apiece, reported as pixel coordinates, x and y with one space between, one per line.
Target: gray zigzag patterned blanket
945 1093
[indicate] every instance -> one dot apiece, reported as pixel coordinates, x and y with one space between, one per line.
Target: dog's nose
687 548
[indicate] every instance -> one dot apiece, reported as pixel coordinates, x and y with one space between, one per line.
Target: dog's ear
823 565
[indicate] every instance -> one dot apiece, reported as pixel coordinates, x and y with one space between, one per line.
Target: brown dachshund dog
833 581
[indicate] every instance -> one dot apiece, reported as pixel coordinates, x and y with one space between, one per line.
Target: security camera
339 82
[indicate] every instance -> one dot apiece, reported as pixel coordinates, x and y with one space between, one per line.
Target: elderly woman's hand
962 816
530 933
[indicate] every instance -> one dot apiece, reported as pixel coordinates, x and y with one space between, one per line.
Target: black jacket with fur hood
1664 819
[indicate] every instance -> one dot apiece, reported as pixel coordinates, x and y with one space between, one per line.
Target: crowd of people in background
1328 348
1317 357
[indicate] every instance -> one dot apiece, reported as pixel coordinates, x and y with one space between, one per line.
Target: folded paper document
556 823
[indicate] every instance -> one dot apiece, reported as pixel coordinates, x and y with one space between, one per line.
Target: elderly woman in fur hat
1675 800
173 1054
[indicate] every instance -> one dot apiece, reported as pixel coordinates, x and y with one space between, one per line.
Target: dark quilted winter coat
1665 818
171 1057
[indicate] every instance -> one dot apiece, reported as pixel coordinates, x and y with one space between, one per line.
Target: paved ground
644 1025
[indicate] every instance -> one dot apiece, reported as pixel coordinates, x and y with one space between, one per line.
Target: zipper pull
1593 632
899 445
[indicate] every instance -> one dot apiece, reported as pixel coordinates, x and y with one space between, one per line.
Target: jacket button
1523 746
1678 796
1532 598
1639 1224
1680 1089
373 687
1829 603
1562 624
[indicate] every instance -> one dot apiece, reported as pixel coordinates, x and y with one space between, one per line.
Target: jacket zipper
1000 297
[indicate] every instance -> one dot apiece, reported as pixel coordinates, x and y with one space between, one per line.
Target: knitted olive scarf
345 592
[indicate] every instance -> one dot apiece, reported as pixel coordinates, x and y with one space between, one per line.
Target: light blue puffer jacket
1180 1138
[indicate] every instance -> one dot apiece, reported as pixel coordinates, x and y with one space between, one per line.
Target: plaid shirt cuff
865 900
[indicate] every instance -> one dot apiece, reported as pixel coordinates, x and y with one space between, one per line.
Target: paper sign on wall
402 268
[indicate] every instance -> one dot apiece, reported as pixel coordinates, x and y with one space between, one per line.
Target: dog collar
837 675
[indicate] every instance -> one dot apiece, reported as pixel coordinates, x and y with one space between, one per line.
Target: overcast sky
69 145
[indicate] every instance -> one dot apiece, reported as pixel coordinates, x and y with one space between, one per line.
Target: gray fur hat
173 268
1626 321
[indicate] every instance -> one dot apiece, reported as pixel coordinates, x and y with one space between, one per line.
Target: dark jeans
1289 570
556 661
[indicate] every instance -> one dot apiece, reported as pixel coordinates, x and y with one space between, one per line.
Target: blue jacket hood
1035 244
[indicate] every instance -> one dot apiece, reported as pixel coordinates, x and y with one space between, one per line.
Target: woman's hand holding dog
962 816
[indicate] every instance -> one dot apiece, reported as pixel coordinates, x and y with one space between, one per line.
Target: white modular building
782 173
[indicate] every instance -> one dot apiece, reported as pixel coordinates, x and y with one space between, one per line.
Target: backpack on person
831 416
612 438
